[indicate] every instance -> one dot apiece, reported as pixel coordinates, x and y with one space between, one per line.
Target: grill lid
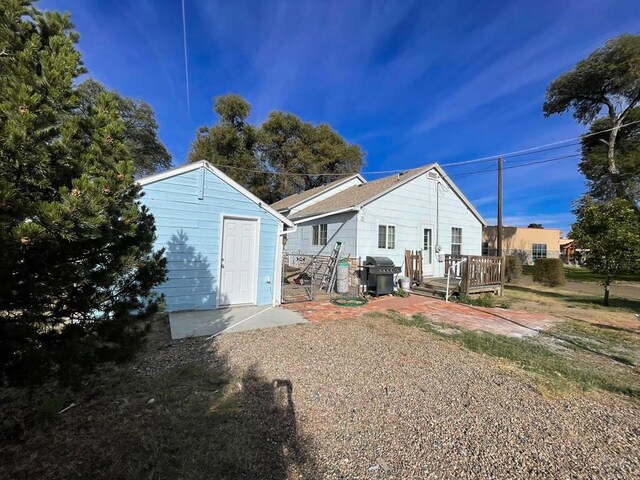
378 262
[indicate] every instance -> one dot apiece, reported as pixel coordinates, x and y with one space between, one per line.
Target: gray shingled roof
293 200
357 195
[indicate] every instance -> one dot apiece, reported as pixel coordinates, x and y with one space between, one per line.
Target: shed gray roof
360 194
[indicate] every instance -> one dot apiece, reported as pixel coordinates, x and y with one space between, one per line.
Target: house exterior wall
410 208
341 227
326 194
519 240
189 228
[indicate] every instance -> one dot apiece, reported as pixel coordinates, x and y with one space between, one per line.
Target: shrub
523 255
487 300
513 269
401 292
549 272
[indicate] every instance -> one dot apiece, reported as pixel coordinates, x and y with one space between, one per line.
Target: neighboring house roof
293 201
232 183
356 197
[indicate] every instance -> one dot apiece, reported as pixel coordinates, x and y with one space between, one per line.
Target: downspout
437 247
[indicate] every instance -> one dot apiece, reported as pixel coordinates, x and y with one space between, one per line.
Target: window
427 244
538 250
319 234
386 236
456 241
485 249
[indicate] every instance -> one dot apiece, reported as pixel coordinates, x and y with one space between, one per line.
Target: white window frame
316 234
427 252
387 245
534 255
459 243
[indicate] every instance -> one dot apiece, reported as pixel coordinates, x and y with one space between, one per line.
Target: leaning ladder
329 277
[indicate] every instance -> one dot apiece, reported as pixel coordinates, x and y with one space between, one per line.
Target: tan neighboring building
526 243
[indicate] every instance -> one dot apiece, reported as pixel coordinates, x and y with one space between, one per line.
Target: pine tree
76 245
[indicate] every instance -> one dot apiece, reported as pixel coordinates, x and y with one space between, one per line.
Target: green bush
486 300
549 272
513 269
401 292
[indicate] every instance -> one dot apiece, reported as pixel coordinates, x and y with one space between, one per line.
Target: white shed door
238 262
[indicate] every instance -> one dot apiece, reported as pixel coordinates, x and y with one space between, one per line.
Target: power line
520 154
517 165
517 153
457 175
538 148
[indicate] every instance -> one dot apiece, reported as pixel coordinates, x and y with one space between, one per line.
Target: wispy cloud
412 82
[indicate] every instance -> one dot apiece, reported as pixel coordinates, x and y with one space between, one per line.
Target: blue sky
411 82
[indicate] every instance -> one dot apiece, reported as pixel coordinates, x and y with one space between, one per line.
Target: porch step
427 292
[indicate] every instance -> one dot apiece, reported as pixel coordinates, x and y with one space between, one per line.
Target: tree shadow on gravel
177 412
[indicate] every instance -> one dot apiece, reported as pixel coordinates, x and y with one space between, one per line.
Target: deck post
466 275
503 270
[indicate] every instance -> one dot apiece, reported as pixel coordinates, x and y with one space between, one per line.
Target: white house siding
340 228
326 194
412 207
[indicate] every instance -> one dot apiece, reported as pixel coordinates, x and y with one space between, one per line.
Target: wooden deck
475 275
431 286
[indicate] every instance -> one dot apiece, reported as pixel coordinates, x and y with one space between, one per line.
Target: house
527 242
223 245
418 209
571 253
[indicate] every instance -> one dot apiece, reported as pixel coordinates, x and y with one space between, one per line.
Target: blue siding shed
201 216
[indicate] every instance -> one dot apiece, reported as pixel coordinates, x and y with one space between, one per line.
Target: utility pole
499 206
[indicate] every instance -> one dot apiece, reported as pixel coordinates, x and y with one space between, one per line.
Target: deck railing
477 271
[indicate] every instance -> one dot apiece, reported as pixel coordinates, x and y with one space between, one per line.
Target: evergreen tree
594 164
141 128
607 80
76 246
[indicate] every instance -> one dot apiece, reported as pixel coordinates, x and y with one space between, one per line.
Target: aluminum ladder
329 277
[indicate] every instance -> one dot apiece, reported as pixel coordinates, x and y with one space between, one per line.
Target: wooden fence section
477 273
413 265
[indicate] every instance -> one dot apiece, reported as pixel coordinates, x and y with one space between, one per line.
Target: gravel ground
370 399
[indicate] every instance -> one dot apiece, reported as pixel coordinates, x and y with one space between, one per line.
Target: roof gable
232 183
355 198
292 201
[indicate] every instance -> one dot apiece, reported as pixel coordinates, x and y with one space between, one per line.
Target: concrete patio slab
196 323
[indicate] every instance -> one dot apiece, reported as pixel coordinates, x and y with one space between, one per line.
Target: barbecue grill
379 273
